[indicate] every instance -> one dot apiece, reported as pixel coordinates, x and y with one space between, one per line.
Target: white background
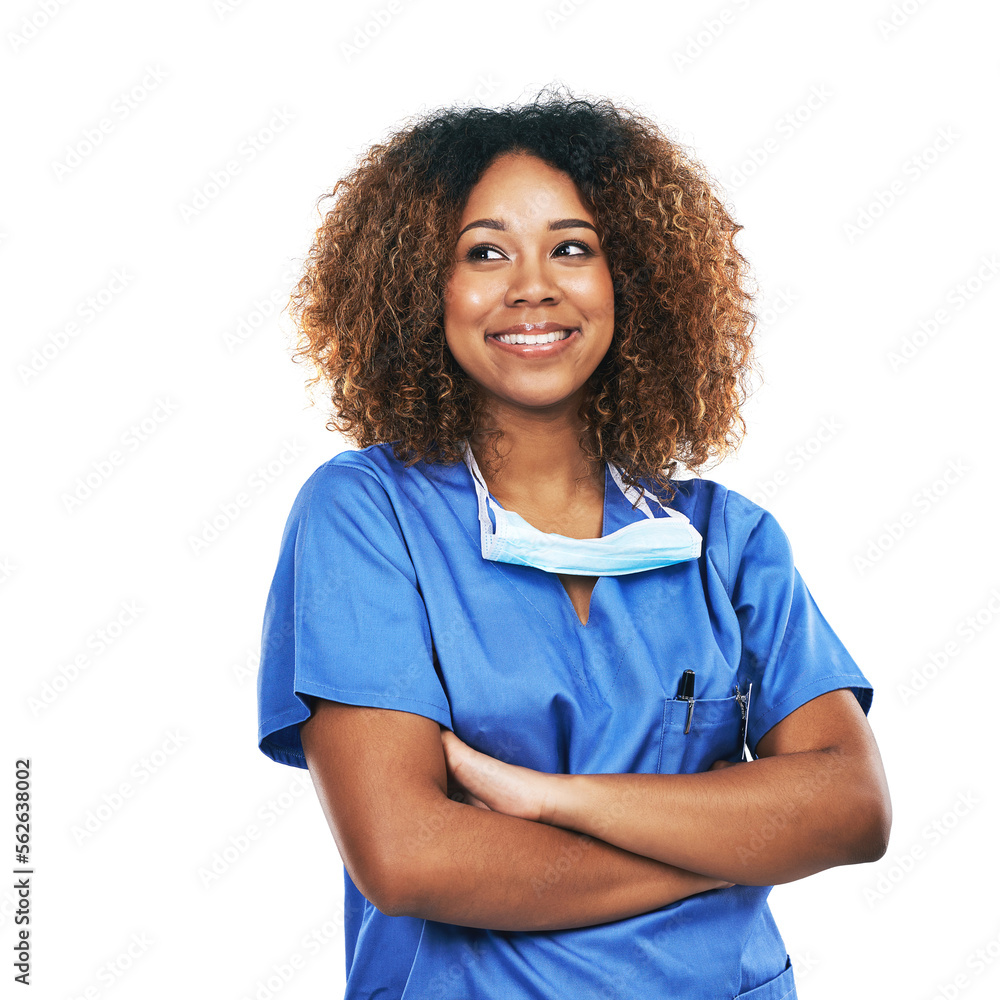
809 116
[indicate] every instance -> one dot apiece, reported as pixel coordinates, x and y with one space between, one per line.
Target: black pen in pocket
685 692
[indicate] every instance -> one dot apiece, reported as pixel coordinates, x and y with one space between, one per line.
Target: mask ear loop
488 537
632 494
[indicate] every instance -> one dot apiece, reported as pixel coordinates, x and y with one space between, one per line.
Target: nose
532 282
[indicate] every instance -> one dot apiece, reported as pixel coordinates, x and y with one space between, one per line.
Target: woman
519 659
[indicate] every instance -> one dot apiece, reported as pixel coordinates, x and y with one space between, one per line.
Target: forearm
479 868
763 822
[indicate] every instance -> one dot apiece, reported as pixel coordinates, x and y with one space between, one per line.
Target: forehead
524 188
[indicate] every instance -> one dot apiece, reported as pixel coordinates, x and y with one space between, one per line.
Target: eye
475 251
479 251
587 252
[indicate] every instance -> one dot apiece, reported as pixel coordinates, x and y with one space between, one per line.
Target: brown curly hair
369 306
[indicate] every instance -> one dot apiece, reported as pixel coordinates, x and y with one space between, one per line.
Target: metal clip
745 718
685 692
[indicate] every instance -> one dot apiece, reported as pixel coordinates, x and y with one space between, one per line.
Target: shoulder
369 483
734 527
360 468
714 505
352 480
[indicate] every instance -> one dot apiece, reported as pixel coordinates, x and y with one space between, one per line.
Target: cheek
466 299
460 321
598 301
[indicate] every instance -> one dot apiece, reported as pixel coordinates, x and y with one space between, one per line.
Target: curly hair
369 306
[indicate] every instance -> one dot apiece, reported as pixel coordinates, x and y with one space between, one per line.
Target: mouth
534 345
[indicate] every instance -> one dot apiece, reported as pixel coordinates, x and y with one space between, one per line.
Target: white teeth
534 338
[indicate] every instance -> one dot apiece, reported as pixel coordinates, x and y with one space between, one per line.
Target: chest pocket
715 733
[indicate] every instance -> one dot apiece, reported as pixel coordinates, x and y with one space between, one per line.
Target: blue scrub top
382 597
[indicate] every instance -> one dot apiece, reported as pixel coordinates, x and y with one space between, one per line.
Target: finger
721 763
458 793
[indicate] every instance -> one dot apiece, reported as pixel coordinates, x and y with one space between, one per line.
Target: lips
550 326
528 339
536 350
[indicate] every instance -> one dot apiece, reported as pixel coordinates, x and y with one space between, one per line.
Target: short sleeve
344 618
789 650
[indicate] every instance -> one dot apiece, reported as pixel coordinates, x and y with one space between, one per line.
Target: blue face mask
646 544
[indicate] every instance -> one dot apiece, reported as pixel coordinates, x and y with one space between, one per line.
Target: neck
540 458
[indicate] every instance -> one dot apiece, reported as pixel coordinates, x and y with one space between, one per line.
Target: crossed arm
816 797
555 851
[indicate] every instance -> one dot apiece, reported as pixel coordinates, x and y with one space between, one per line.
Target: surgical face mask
647 544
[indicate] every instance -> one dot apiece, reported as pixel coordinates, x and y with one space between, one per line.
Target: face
529 262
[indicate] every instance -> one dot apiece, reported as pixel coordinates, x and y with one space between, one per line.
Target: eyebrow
557 224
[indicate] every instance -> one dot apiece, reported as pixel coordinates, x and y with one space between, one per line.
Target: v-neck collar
617 512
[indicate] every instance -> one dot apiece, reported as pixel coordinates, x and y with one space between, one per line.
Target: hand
488 783
459 794
724 763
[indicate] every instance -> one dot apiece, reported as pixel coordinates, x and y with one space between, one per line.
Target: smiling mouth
533 338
